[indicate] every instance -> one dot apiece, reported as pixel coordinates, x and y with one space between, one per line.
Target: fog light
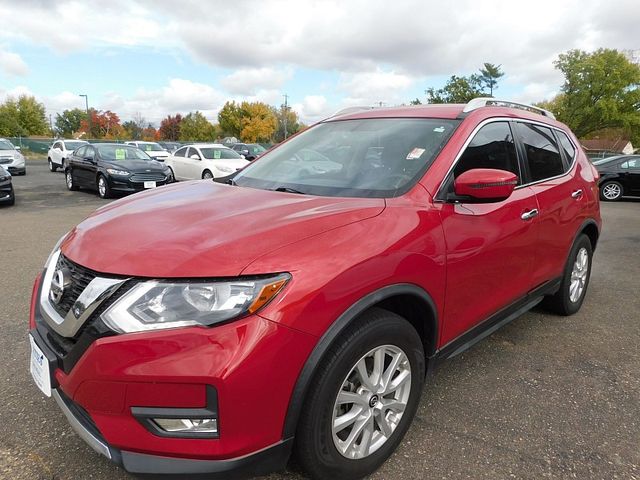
187 425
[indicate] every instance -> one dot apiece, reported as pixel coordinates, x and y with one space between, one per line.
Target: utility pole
285 107
86 103
51 127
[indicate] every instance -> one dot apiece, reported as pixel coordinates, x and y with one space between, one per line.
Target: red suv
212 328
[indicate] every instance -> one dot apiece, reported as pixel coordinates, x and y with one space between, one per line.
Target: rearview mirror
485 184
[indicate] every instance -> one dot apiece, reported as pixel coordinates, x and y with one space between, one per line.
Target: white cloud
313 108
13 64
247 81
368 88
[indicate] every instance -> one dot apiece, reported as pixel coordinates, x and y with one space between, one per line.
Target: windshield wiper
288 190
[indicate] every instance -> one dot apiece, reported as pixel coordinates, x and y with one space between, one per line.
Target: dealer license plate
40 368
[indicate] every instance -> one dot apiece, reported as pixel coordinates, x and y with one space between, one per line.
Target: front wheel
171 176
207 175
575 279
52 166
611 191
363 398
71 184
104 191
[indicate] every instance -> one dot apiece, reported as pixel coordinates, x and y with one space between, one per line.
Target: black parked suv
619 176
113 168
251 151
7 196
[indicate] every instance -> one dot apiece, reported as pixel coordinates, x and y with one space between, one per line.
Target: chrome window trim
438 196
96 292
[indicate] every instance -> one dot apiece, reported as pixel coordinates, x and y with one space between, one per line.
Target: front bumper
6 191
124 185
270 459
252 364
17 169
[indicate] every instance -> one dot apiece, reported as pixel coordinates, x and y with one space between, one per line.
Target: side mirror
244 152
90 159
485 184
18 148
194 157
243 156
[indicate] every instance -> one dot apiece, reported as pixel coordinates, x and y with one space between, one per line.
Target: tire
570 296
611 191
207 175
104 190
71 184
12 199
52 166
318 449
172 176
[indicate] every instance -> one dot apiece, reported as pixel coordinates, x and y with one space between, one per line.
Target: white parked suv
153 149
60 151
207 160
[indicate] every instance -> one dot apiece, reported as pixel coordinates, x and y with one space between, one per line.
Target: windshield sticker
217 154
121 153
415 153
438 129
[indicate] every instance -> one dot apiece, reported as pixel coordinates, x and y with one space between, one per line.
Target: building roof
605 144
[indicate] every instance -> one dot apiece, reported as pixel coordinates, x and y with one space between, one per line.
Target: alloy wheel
69 180
611 191
102 187
371 402
579 275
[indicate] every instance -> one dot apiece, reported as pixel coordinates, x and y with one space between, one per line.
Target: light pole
86 103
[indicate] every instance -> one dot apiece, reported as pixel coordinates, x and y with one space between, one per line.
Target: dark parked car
619 176
111 167
251 151
7 196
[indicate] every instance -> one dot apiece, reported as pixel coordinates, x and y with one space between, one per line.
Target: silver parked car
11 158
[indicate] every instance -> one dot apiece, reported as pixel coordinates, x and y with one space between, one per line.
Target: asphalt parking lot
545 397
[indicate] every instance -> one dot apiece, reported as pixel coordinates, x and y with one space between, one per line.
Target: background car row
11 158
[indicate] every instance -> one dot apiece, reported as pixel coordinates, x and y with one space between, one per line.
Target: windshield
150 147
121 152
352 158
212 153
256 149
74 145
4 145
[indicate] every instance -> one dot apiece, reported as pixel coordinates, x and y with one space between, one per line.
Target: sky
160 57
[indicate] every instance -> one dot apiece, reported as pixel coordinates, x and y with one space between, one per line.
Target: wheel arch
591 230
407 300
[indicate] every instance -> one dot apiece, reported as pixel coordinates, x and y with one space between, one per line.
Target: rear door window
542 153
182 152
567 146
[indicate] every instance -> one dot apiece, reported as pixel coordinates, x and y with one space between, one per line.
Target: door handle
530 214
577 194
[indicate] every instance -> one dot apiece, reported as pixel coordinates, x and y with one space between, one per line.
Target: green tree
415 101
456 90
195 127
68 122
285 117
489 76
22 117
600 90
230 119
132 130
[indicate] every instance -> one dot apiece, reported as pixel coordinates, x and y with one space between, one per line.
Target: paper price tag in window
121 154
415 153
217 154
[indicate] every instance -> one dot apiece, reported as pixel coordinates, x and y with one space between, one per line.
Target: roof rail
494 102
348 110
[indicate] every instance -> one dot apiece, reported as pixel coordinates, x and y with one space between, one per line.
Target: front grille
80 278
5 160
147 177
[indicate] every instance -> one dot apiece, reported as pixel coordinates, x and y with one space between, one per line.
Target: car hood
157 154
204 229
8 153
136 165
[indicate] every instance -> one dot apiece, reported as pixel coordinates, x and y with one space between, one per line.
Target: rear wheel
363 398
575 279
71 184
611 191
207 175
52 166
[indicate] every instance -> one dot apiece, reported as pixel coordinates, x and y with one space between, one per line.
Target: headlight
113 171
225 169
55 250
157 304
